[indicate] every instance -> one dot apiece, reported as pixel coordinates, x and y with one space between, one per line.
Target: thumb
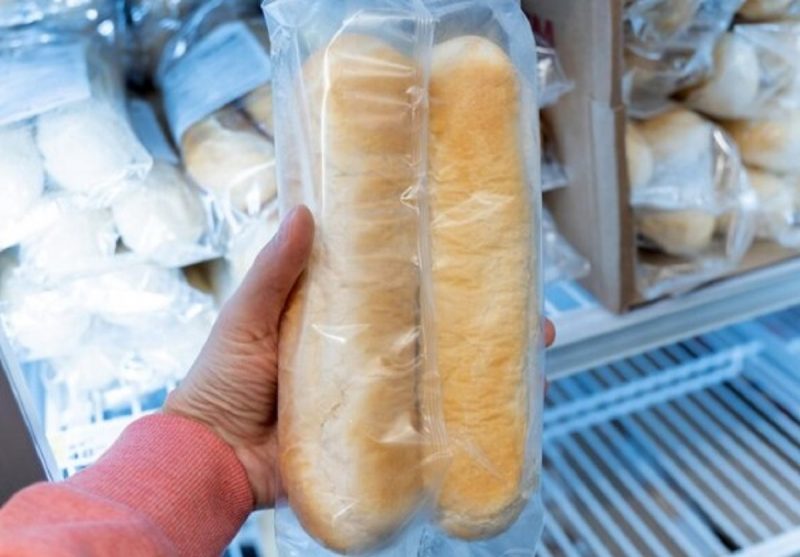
259 301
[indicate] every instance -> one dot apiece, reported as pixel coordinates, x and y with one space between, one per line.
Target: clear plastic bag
61 15
669 46
554 175
553 82
164 217
410 259
207 73
694 208
63 123
771 143
561 260
756 73
777 217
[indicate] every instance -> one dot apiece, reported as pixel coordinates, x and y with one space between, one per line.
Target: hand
233 385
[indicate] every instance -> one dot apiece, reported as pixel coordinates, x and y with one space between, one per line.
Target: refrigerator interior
692 448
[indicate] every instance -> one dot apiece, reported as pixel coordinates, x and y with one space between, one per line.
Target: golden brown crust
349 439
482 249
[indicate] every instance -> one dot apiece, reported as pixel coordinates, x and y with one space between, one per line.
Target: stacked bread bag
410 382
214 77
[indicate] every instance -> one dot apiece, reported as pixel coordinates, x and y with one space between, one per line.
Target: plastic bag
756 73
61 15
693 205
208 67
771 143
669 46
62 106
164 217
396 281
561 260
554 175
553 82
778 219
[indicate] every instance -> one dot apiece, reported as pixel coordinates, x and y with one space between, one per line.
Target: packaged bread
212 74
777 197
694 209
772 143
769 10
351 448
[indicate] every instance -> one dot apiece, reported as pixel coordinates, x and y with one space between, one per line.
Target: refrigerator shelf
706 466
589 336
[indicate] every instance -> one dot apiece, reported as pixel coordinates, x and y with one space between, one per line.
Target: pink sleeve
168 486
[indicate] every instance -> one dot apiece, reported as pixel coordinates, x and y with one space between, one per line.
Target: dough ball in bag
21 173
258 105
88 147
681 233
161 212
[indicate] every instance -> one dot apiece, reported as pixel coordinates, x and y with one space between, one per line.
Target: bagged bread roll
225 155
350 446
482 252
772 144
732 87
21 173
765 10
777 198
639 157
258 105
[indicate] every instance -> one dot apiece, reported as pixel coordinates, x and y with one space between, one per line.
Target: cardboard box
589 123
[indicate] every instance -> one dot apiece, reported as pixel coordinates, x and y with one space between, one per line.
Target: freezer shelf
589 336
689 450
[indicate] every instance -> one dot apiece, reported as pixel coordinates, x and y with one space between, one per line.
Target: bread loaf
348 433
481 227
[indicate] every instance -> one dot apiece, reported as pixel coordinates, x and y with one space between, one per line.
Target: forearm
168 486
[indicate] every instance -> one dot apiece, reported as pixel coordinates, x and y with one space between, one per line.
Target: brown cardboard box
593 211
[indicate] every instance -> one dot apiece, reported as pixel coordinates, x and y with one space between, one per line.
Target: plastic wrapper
207 73
756 73
771 143
95 16
561 260
694 208
553 82
405 272
777 216
164 217
64 130
669 45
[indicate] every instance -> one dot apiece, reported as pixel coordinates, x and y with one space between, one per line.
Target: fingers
260 299
549 333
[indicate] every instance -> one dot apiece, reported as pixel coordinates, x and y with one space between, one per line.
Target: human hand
233 386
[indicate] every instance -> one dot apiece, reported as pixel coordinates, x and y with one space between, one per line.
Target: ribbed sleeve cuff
180 475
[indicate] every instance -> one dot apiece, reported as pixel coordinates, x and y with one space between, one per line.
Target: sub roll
484 318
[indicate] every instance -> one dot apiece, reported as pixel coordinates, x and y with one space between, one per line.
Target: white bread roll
771 144
258 105
348 429
21 173
732 88
160 214
225 155
639 157
681 233
482 248
762 10
89 147
776 202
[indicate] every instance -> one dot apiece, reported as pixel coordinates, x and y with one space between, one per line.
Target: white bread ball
225 155
161 213
639 157
89 147
682 233
76 242
760 10
258 105
21 173
676 136
771 144
732 87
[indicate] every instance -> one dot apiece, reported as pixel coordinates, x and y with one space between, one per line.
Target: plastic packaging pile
708 178
97 219
410 130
